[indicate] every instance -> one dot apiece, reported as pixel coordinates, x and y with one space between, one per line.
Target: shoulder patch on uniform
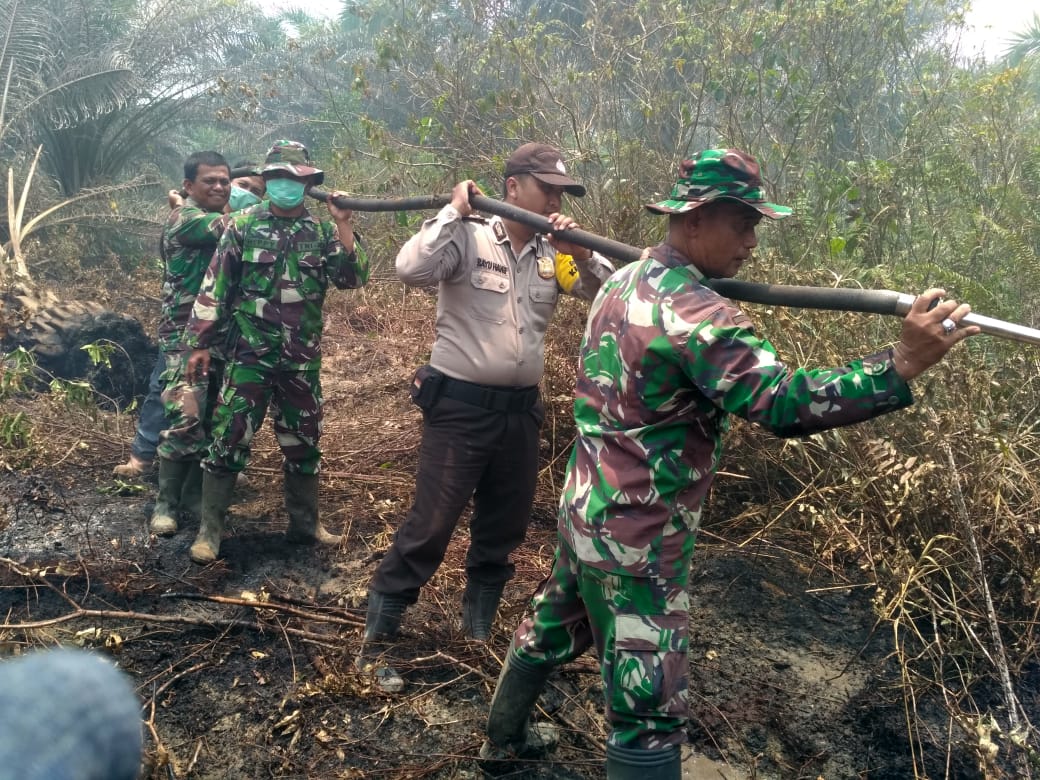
499 230
475 218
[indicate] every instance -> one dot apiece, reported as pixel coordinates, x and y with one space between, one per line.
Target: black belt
498 399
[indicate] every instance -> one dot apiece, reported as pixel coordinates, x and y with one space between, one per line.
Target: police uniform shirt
492 309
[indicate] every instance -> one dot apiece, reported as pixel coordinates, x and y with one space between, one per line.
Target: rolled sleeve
435 252
591 275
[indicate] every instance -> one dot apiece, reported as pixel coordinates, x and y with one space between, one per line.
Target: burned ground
245 668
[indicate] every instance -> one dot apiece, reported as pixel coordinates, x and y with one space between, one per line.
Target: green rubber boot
172 476
510 734
216 498
636 764
191 492
301 502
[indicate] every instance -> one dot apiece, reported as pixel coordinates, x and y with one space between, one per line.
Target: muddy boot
191 492
510 734
301 502
636 764
216 498
172 475
381 622
479 607
133 468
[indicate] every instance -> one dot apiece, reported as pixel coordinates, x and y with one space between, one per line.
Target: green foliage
120 487
75 394
1026 44
113 79
15 431
16 372
100 352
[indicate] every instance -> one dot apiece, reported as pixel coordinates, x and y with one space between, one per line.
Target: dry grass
938 507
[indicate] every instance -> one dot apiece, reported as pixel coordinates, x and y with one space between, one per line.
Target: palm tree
104 84
1024 45
37 88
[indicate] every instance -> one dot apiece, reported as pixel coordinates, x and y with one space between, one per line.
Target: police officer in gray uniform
499 282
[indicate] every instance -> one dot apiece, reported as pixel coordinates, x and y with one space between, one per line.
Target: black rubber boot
216 498
479 607
172 476
301 502
636 764
509 732
191 492
381 623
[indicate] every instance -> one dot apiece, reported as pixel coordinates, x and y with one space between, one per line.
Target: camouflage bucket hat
292 156
719 173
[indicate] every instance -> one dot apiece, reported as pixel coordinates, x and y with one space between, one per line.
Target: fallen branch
145 617
353 622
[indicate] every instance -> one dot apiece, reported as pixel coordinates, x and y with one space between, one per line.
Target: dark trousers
152 417
467 451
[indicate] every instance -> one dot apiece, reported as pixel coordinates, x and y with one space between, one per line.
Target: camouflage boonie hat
719 173
292 156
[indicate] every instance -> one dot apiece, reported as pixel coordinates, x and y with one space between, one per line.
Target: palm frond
83 96
1025 44
24 37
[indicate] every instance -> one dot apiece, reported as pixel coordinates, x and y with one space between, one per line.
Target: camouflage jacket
269 277
188 241
663 363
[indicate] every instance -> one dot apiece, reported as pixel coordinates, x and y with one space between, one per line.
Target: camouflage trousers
640 629
294 394
189 406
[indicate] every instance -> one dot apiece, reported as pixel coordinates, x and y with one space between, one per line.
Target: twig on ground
163 754
256 604
162 688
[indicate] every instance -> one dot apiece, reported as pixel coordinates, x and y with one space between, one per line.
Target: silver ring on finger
948 326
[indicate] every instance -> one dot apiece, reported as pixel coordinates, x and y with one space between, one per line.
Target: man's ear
691 223
186 185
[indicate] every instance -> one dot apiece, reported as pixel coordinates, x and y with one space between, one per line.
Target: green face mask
241 199
285 193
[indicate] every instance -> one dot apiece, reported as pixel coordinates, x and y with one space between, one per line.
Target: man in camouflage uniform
499 283
188 241
267 282
664 361
246 190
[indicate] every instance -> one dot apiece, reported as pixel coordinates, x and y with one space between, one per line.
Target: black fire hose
801 297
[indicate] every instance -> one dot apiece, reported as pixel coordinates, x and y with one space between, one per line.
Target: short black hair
505 182
210 158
